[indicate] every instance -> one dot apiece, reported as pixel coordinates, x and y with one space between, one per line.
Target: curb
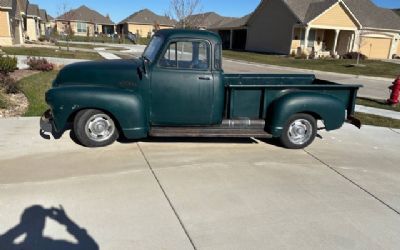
311 71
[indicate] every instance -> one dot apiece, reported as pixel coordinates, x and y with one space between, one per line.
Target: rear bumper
354 121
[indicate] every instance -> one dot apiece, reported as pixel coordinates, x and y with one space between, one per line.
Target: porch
318 43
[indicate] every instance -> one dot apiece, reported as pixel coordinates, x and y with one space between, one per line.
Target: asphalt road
341 193
373 87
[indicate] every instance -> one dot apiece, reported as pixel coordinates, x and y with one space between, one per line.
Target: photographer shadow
31 228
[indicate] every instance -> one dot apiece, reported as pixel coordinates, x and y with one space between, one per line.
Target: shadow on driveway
31 227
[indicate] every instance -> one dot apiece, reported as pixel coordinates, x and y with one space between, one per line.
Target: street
376 88
340 193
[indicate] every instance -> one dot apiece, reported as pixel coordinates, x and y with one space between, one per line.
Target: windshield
151 51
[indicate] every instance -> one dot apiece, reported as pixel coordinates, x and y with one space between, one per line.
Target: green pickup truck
179 89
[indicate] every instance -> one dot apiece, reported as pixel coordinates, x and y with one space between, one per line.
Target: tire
299 132
94 128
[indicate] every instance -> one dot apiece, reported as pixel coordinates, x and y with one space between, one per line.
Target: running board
228 128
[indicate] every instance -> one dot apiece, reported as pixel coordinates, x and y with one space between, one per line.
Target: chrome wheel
100 127
300 132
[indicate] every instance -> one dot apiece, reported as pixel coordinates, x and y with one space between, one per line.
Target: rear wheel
299 132
94 128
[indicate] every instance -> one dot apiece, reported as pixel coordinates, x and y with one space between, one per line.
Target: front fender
325 107
126 106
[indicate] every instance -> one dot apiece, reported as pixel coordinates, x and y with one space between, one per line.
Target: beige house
85 22
33 23
144 22
323 28
12 21
44 22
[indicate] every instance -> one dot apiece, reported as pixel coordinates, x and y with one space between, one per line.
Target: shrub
42 38
354 55
303 55
8 84
40 64
8 64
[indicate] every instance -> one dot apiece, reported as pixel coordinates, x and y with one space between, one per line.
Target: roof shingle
146 16
366 12
6 3
33 10
85 14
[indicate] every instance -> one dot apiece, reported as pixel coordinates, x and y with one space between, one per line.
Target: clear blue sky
119 9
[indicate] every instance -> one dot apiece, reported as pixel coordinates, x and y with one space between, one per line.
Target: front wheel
94 128
299 132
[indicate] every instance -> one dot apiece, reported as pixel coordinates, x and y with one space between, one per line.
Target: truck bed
249 95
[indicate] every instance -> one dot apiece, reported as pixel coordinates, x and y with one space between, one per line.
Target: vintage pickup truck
179 89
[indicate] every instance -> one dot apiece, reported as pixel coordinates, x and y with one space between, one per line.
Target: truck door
182 85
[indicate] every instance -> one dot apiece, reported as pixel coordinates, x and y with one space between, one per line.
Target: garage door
398 49
376 48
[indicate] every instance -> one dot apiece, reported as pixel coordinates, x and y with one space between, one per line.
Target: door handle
205 78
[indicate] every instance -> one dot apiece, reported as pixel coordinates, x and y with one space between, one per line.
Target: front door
182 85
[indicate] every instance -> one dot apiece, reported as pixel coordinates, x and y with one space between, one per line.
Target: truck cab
178 89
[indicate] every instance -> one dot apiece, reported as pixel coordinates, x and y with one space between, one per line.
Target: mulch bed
18 102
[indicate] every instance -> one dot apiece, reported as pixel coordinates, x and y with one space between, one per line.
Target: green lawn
81 46
47 52
373 68
379 121
380 104
34 87
3 101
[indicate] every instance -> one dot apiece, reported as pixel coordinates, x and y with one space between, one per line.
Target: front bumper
47 127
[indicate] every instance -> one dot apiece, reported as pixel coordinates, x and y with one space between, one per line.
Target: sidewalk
379 112
54 60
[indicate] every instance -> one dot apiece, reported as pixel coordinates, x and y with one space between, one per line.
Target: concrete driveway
341 193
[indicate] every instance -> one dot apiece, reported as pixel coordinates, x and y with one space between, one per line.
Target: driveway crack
354 183
166 197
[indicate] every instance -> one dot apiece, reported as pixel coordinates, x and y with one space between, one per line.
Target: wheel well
315 115
73 115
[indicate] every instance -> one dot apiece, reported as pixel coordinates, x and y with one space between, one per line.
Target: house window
82 27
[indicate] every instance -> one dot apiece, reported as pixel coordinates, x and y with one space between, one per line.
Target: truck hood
112 73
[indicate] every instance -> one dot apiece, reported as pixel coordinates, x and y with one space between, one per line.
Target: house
324 27
208 20
144 22
32 23
12 16
84 21
233 32
44 22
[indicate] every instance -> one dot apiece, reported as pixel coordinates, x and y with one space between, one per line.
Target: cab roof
185 33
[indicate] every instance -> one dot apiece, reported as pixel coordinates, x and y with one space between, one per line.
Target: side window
218 57
187 55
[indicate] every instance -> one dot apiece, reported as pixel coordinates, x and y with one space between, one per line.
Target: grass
372 67
81 46
379 121
34 87
380 104
47 52
3 101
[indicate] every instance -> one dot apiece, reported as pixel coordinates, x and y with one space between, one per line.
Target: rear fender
124 105
322 106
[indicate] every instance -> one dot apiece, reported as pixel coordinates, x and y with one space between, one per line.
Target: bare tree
182 11
65 14
360 43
